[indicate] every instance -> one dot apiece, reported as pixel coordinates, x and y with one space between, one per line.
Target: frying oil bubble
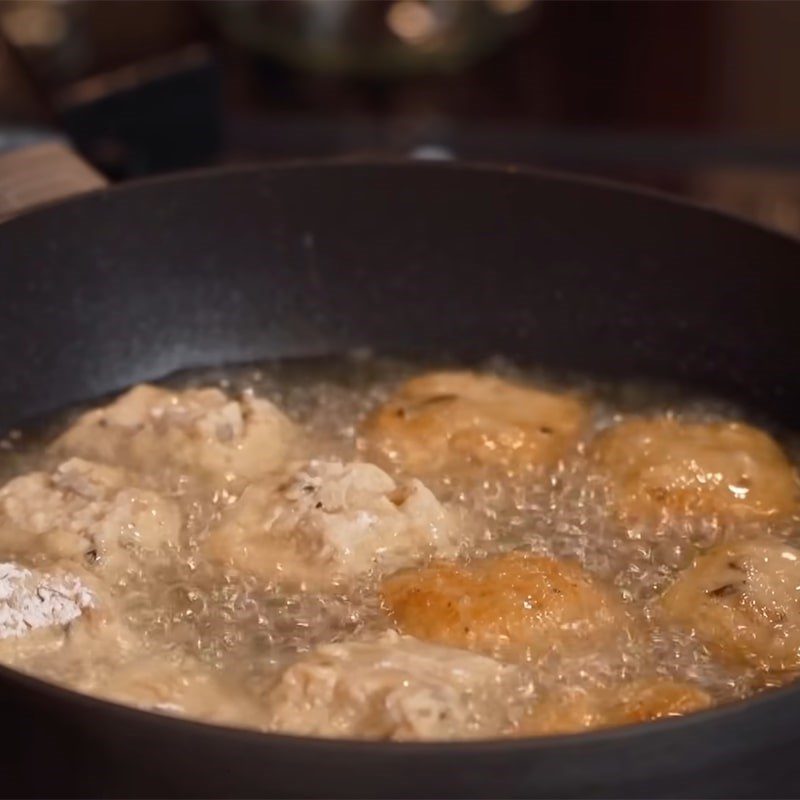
249 629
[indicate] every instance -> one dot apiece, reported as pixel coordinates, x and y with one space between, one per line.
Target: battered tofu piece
193 431
178 685
636 701
64 611
86 512
43 611
34 600
744 600
511 605
658 465
394 687
331 522
450 420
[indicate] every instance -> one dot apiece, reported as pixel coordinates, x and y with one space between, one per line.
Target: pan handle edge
41 173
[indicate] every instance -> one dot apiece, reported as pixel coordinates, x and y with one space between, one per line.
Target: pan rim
620 734
511 170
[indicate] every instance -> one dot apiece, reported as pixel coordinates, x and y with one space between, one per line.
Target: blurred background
695 98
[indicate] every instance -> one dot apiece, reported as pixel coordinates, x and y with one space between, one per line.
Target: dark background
697 98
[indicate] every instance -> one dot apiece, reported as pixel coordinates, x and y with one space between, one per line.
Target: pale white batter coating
89 513
60 609
195 431
331 522
392 687
45 612
31 601
178 685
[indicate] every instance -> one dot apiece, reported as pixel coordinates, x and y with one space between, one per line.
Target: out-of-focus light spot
509 6
432 152
411 20
36 24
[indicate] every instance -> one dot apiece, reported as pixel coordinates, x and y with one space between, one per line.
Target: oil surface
246 630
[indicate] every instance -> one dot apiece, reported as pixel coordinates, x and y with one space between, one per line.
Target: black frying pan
130 284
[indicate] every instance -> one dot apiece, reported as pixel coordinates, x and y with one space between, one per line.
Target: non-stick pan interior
236 266
228 267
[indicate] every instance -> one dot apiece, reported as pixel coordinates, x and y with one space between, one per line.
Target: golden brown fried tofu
511 604
663 465
636 701
447 420
744 600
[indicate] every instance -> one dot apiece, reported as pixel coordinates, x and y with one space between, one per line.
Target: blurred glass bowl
379 38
